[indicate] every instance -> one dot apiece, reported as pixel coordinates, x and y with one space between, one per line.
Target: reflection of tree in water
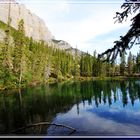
109 92
37 106
124 93
137 88
11 114
103 91
42 103
5 115
106 92
86 92
133 91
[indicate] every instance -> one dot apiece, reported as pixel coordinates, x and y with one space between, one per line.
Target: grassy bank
78 79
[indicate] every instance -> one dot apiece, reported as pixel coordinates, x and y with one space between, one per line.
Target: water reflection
74 104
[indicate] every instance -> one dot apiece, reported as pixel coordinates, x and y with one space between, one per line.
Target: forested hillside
24 61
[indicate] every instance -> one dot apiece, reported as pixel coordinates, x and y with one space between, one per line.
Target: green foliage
5 60
28 62
33 62
86 65
122 65
138 62
19 54
130 64
76 66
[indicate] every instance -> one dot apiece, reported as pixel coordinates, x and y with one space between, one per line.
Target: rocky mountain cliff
61 44
34 26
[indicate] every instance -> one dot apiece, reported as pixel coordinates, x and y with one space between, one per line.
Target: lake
94 108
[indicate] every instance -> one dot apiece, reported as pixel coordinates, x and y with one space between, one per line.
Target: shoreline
75 79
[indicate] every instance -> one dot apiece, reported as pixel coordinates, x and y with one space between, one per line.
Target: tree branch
43 123
125 42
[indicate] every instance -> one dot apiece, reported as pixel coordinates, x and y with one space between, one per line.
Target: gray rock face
63 45
34 26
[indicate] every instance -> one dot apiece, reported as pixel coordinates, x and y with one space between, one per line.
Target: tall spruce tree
76 68
122 65
130 63
138 62
5 59
19 56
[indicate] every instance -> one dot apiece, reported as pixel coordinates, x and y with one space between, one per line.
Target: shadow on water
45 103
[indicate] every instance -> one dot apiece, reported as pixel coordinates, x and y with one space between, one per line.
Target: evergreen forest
24 61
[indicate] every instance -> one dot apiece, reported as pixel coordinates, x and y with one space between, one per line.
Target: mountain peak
34 26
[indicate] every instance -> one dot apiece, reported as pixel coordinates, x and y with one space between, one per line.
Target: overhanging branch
126 42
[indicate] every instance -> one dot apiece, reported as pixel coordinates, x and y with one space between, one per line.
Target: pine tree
130 63
131 38
94 64
89 65
76 68
5 56
138 62
19 56
134 68
122 65
82 65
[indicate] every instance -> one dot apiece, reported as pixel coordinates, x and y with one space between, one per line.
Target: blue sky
87 24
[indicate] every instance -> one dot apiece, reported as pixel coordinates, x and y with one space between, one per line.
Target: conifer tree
94 65
76 70
5 59
19 56
122 65
130 63
131 38
138 62
82 64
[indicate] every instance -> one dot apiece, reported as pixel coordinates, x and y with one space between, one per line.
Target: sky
85 24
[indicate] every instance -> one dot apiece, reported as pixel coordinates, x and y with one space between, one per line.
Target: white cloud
93 122
78 33
99 20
